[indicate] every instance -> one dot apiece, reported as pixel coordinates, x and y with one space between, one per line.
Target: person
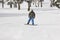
31 17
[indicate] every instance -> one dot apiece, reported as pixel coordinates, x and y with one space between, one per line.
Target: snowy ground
12 24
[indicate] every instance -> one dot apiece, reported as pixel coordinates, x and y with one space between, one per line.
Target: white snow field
12 23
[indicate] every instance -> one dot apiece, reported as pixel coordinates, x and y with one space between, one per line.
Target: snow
12 23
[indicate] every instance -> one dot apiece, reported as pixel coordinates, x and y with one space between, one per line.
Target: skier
31 17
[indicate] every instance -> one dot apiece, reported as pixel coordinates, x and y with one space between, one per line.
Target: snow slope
12 24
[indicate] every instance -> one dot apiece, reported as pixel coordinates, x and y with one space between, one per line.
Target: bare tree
51 2
19 2
29 3
10 3
2 1
15 3
36 2
41 2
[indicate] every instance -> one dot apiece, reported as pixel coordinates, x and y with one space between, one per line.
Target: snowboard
31 24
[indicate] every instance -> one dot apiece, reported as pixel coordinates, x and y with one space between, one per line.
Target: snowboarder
31 17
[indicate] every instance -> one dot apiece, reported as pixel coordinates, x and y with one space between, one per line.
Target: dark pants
31 19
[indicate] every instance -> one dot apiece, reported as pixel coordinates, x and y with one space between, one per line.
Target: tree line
18 2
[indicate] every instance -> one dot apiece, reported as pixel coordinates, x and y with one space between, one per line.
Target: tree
52 3
41 2
29 5
15 3
2 1
10 3
19 2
